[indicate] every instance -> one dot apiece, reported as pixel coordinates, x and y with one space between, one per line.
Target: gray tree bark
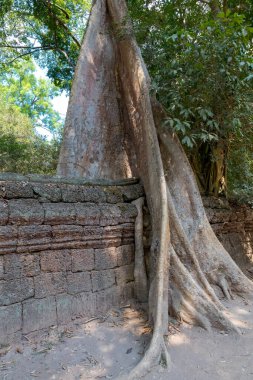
113 131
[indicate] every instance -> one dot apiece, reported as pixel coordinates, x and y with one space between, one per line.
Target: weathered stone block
93 236
34 238
31 265
25 211
72 193
22 189
128 212
70 307
10 321
1 267
125 254
47 192
94 194
87 214
39 314
113 194
124 274
130 193
65 233
102 279
82 260
17 266
48 284
105 258
15 291
115 236
108 298
56 261
8 239
59 213
110 215
79 282
4 212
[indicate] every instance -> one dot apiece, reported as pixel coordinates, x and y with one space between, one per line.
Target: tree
20 88
21 149
114 129
199 57
50 31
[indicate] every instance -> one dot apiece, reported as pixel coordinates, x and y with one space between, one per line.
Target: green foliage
21 150
201 66
20 88
50 30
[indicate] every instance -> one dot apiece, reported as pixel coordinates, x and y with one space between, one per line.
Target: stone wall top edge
47 179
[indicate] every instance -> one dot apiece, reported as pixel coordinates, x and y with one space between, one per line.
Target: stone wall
66 250
233 226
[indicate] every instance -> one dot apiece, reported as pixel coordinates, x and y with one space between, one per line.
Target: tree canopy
51 31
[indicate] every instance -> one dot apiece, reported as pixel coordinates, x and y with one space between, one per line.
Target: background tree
21 149
50 30
21 89
200 61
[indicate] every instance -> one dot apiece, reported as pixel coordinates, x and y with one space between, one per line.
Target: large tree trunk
209 162
113 130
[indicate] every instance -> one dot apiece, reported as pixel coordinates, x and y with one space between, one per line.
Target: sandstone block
79 282
70 307
55 261
94 194
87 214
10 321
1 267
105 258
131 193
59 213
108 298
17 266
39 314
72 193
82 260
47 192
65 233
110 215
8 239
113 194
34 238
102 279
25 211
124 274
48 284
125 254
21 189
4 212
93 236
15 291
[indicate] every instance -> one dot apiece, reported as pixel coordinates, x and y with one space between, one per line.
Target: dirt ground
105 347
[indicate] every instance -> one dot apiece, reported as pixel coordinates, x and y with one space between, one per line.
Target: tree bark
209 162
113 130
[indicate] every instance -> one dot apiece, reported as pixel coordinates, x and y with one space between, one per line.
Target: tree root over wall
186 260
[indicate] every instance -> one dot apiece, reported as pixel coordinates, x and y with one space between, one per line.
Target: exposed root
140 275
156 354
190 302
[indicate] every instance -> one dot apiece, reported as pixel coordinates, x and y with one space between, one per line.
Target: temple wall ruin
66 250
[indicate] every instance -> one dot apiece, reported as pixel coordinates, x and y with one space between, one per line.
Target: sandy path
102 349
